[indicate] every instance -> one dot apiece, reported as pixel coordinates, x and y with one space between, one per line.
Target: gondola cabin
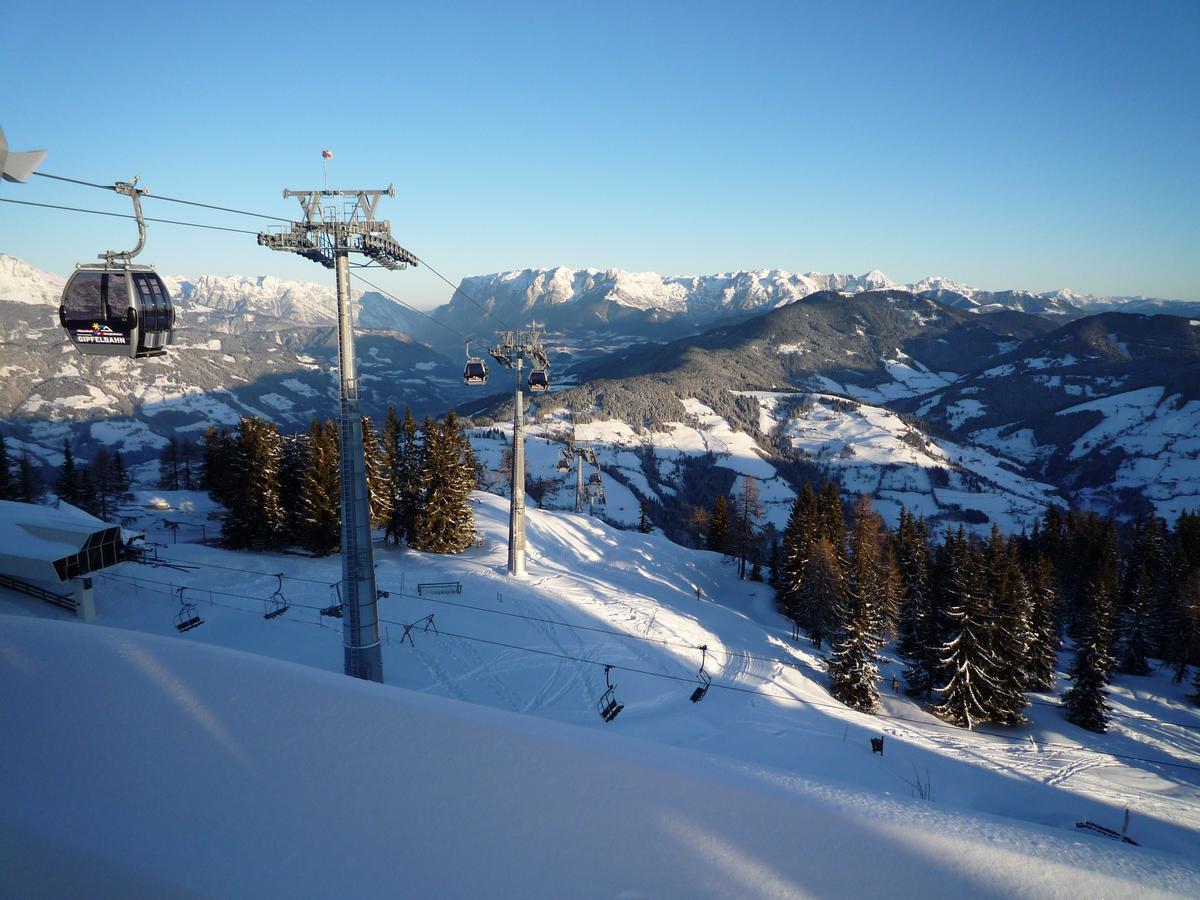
117 310
539 380
475 372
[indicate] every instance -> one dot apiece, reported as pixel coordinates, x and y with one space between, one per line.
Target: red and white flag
327 154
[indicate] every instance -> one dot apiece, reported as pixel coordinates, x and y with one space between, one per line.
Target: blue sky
1035 145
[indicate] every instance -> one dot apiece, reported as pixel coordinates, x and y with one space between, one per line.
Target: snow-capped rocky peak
941 283
302 302
22 283
874 281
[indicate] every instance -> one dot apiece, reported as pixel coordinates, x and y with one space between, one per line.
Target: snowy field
711 798
867 449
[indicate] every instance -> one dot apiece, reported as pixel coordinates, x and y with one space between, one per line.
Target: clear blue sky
1036 145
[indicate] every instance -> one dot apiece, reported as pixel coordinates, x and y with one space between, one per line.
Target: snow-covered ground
594 596
867 449
188 770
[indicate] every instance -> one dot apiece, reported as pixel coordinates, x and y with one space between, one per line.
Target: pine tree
445 522
1178 615
100 475
718 526
822 593
320 491
773 561
756 565
969 697
29 482
919 643
644 519
168 466
749 515
798 537
1009 633
831 518
408 484
67 486
1195 698
187 460
8 487
379 476
254 517
1140 596
87 498
389 442
853 671
1042 656
121 483
293 464
1085 702
217 455
1185 618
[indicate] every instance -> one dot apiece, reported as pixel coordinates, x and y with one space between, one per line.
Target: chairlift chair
335 608
705 679
117 307
564 461
276 605
186 619
607 706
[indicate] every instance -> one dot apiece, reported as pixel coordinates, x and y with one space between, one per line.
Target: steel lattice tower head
328 235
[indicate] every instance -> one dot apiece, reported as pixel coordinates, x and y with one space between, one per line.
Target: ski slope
632 601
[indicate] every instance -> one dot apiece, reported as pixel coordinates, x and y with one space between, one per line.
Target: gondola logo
100 334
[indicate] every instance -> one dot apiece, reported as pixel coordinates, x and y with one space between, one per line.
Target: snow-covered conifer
379 476
969 696
1042 656
1085 703
445 522
853 671
320 491
254 517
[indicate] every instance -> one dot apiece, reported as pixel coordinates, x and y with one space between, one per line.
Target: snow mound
212 772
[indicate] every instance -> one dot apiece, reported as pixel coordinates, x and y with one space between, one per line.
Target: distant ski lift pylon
608 706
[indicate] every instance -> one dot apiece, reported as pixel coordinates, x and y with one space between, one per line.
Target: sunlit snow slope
595 596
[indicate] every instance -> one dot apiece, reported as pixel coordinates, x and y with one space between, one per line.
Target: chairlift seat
698 693
539 380
189 624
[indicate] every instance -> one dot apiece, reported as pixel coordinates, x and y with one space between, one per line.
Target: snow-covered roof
53 543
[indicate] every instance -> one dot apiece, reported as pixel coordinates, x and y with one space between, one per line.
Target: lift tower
512 348
328 235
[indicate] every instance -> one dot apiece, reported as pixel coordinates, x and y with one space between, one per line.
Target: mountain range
973 406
